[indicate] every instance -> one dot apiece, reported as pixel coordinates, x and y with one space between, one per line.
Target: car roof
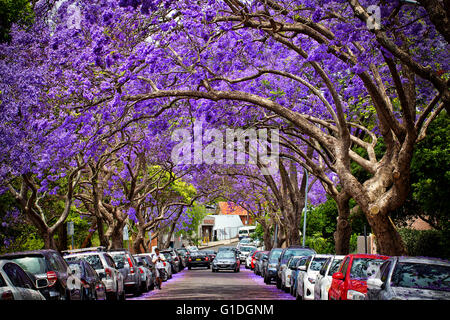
28 253
428 260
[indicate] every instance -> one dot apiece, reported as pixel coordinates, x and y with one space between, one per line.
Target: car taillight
52 277
130 263
108 272
206 259
190 259
164 264
140 270
85 284
7 295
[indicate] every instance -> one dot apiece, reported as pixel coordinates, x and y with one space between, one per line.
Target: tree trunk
388 240
62 237
344 229
49 241
114 234
139 242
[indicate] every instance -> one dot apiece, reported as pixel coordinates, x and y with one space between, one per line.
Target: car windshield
247 249
335 266
422 276
362 268
225 255
93 260
295 252
317 263
118 258
34 264
275 255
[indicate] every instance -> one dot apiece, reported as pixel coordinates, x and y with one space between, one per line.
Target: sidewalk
227 242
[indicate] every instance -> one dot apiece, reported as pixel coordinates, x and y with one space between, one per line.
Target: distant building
228 208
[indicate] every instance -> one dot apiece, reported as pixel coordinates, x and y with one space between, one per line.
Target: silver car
129 269
16 284
147 278
105 267
410 278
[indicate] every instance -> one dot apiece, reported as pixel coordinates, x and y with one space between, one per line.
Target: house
228 208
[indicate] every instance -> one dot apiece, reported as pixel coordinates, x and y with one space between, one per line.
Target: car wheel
137 291
189 268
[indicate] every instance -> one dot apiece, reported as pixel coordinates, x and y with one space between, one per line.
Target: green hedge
426 243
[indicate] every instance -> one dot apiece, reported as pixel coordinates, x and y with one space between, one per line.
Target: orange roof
231 208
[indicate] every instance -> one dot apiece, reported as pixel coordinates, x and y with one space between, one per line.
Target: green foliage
430 243
320 244
196 213
14 11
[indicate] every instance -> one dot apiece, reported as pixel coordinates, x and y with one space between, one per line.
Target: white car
324 277
244 242
15 284
286 274
245 252
306 278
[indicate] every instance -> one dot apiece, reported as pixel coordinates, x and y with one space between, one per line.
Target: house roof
230 208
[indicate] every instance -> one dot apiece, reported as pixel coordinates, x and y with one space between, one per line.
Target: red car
350 282
252 263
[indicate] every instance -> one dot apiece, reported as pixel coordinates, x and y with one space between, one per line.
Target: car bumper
198 263
224 266
309 291
271 273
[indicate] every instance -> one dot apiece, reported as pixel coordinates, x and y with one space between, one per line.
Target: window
295 252
33 264
362 268
17 276
422 276
345 267
2 281
94 260
335 266
110 262
384 270
317 263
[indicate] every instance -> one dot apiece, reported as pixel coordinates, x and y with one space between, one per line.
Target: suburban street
202 284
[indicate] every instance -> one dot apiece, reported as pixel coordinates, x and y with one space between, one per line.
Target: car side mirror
302 268
41 283
338 276
375 284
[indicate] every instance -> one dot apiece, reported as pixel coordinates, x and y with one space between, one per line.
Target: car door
336 285
23 284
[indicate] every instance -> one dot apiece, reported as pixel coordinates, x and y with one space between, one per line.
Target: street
202 284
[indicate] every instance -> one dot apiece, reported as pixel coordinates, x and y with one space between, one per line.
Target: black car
211 254
226 260
286 254
198 259
92 288
47 264
183 253
270 265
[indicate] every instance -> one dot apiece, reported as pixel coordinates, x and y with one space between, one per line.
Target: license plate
198 259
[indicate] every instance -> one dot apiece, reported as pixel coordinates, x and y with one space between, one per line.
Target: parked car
147 274
92 287
251 260
244 252
270 266
46 264
248 260
198 259
323 278
167 266
172 259
294 275
211 254
105 267
128 267
226 260
183 253
228 248
192 248
287 273
245 242
286 254
307 276
349 283
259 257
411 278
16 284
